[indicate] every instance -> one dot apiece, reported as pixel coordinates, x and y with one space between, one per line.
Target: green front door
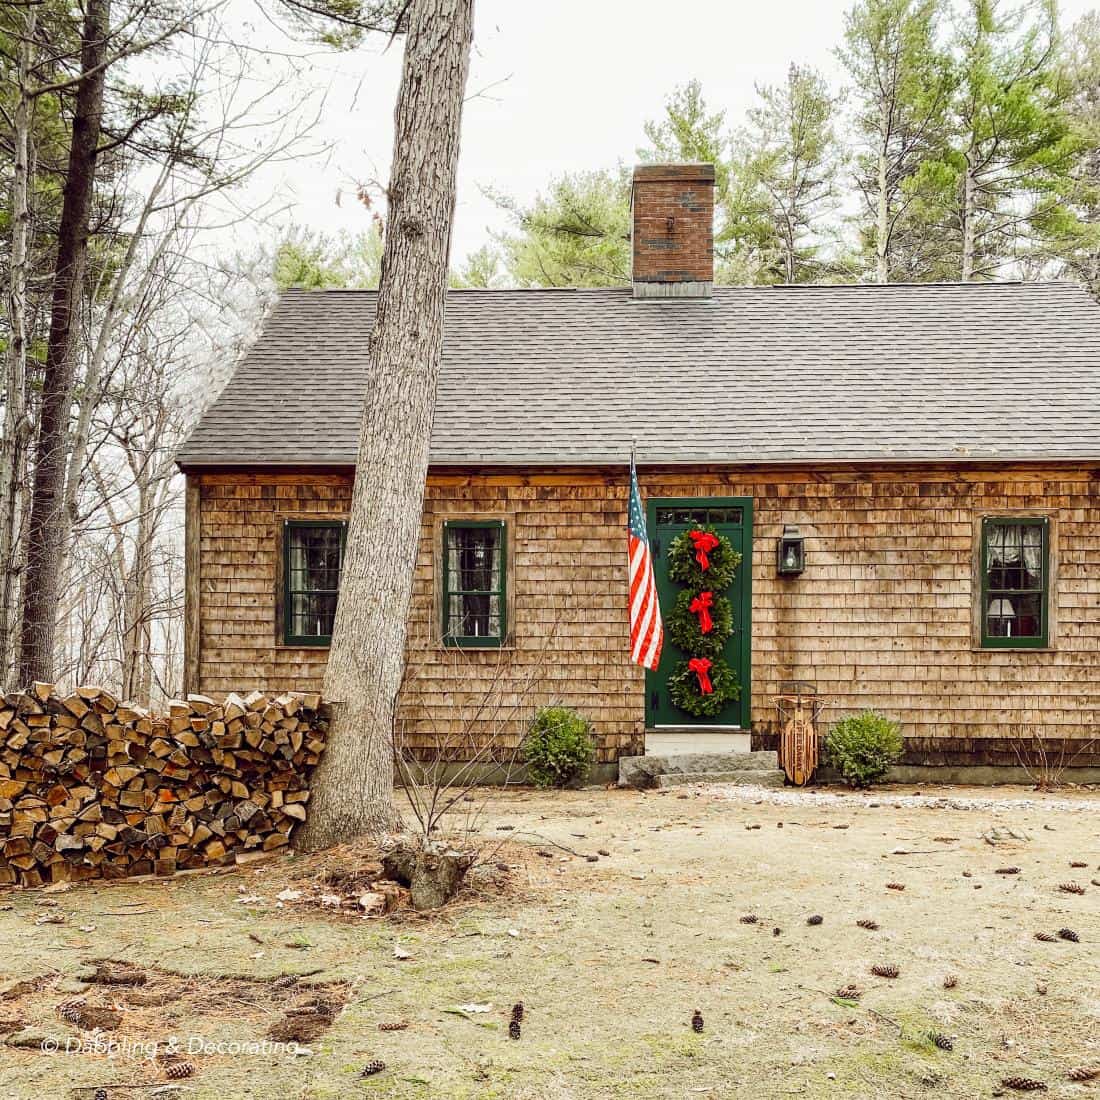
732 517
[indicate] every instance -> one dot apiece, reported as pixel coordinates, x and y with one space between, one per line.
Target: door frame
745 641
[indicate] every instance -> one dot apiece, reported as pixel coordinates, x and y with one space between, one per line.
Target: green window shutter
1015 568
475 605
313 560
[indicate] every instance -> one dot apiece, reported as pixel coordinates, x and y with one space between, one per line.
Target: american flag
647 633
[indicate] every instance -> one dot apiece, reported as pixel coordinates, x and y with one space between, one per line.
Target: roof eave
288 466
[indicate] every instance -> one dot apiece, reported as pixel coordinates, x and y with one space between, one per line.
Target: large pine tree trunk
42 581
353 787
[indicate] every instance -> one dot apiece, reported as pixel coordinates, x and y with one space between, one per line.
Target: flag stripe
646 629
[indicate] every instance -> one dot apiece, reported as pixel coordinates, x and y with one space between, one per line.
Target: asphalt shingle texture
1006 371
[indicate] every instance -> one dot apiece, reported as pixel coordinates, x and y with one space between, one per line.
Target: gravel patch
827 800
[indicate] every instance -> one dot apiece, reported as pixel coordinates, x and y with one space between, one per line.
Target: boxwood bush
558 749
863 746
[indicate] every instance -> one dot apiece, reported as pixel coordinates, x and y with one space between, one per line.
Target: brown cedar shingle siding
883 615
240 528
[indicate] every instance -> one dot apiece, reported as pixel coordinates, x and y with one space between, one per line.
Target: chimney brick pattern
672 230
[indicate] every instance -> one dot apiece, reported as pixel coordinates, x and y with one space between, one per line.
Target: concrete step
645 771
753 778
668 741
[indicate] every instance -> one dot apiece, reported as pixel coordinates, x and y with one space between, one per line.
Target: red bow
704 542
701 666
701 606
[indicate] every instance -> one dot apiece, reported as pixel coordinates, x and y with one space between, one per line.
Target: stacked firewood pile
93 787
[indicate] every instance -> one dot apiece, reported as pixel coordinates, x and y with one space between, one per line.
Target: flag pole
630 474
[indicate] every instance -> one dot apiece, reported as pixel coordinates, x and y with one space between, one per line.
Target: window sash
1019 559
496 608
296 591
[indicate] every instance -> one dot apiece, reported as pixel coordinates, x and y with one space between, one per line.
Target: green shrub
863 747
558 749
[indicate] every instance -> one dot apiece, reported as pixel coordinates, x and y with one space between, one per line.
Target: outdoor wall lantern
790 553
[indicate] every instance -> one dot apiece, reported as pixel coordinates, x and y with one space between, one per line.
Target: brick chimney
672 230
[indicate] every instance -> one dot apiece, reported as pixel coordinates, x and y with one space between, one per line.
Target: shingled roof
1005 371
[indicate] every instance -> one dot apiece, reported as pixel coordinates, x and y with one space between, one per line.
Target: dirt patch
114 972
140 1008
306 1021
348 884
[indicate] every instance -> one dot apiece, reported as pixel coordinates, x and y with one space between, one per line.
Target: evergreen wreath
686 570
683 625
683 689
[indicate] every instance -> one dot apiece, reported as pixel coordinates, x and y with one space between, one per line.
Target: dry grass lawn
609 957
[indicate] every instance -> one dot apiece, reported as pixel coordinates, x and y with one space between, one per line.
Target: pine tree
691 132
901 88
785 196
1004 183
1074 246
575 233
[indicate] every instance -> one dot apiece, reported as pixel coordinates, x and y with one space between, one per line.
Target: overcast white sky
567 86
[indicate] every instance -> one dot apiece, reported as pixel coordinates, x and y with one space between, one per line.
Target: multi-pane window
700 517
1015 583
474 608
313 558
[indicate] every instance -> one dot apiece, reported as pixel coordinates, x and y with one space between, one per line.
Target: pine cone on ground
885 970
70 1010
895 886
1068 934
517 1011
815 920
1077 863
1046 937
375 1065
1008 870
950 981
1024 1084
1084 1073
697 1022
177 1071
1071 888
393 1025
870 925
849 992
938 1039
777 931
749 918
514 1030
